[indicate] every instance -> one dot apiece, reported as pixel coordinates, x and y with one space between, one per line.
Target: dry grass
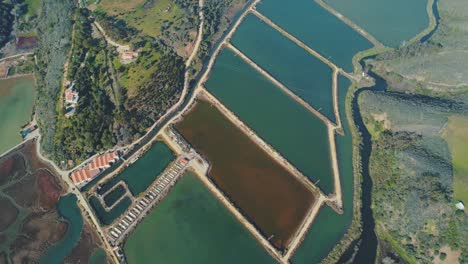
456 134
115 7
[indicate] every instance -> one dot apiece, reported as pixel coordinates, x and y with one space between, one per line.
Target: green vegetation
51 56
106 218
6 22
456 135
90 129
114 195
218 15
144 171
16 105
411 168
192 226
117 102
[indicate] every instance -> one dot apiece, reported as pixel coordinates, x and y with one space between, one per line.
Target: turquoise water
293 131
191 226
145 170
390 22
317 28
302 73
16 106
68 209
328 228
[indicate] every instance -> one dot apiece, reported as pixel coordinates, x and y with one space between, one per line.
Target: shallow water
16 105
317 28
302 73
191 226
390 22
291 129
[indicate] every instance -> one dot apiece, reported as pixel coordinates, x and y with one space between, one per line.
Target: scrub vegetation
413 176
418 128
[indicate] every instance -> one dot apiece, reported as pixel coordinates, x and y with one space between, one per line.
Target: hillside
123 62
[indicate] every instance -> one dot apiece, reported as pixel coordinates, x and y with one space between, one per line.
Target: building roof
81 175
104 160
99 163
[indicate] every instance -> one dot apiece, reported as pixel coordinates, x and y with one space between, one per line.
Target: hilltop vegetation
412 172
117 102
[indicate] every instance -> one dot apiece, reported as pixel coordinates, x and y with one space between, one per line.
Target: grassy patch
456 134
396 246
34 7
119 6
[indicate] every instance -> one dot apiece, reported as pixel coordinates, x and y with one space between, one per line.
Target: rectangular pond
391 22
329 227
291 129
144 171
264 191
317 28
16 106
302 73
191 226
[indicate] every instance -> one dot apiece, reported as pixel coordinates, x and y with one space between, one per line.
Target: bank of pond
317 28
390 22
273 199
191 226
107 217
302 73
329 227
278 119
16 106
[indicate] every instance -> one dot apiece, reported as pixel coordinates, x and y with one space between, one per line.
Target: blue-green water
390 22
302 73
191 226
106 218
317 28
291 129
69 210
144 171
328 228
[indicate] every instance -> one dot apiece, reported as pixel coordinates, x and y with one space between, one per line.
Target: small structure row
153 195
